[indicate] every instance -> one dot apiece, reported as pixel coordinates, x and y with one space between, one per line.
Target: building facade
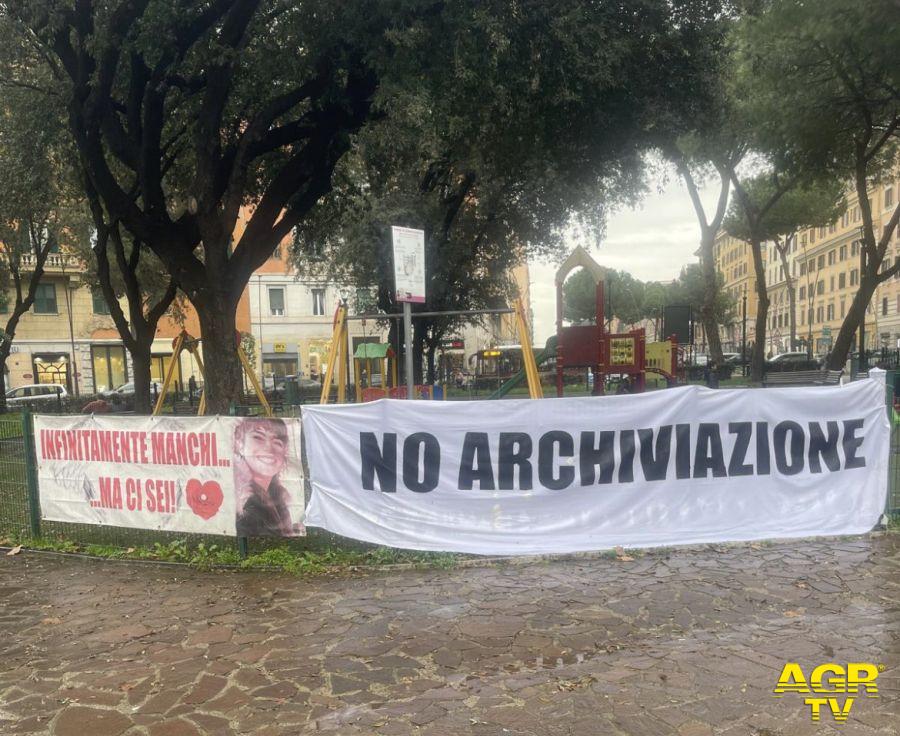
292 321
734 261
825 265
67 337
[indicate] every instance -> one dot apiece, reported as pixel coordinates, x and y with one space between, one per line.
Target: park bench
803 378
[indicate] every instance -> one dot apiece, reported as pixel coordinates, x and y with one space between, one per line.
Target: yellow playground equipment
368 352
185 342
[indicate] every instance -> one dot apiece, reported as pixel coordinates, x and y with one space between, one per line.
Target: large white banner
680 466
210 475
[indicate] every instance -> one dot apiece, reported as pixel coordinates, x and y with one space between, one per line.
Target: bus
495 365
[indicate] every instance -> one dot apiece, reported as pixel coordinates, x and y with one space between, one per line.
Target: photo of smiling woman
261 453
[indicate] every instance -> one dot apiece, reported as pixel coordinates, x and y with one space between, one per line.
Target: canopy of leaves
798 208
631 300
40 203
690 288
623 294
543 121
824 81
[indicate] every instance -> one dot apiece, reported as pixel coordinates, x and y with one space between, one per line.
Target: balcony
56 263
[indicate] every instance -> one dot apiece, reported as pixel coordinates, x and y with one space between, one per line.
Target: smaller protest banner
208 475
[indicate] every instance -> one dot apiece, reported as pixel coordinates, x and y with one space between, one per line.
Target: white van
38 393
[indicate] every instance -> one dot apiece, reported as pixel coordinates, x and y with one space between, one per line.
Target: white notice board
409 264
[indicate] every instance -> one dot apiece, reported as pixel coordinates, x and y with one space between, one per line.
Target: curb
469 562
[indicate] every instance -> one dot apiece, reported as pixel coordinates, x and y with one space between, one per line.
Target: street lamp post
744 331
262 377
70 297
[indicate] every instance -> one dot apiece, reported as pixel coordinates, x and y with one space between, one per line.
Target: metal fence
20 509
20 512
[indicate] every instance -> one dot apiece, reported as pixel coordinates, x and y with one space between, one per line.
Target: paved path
687 643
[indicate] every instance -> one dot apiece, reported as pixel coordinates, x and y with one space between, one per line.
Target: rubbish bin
291 392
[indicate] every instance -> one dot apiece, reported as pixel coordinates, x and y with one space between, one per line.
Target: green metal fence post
34 505
243 548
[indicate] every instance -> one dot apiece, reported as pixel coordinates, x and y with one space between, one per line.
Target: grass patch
207 556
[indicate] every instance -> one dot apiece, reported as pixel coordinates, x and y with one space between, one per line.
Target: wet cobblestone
688 643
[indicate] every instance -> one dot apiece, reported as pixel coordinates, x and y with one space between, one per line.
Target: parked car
790 358
126 390
731 359
37 394
796 361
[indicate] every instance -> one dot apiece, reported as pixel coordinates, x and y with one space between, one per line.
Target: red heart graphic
204 498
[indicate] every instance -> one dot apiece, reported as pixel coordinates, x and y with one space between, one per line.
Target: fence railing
20 510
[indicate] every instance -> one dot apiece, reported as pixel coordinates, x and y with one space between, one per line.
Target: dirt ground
686 642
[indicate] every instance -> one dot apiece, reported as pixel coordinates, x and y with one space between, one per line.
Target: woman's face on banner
264 450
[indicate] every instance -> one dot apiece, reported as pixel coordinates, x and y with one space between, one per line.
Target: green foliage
624 295
541 122
208 556
821 81
634 300
798 208
690 288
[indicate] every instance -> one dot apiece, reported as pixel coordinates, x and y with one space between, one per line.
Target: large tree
826 87
185 113
495 166
40 211
709 155
148 290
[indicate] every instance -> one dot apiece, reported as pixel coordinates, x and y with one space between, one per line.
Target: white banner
681 466
209 475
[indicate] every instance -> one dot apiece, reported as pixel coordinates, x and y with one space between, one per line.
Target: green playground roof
373 350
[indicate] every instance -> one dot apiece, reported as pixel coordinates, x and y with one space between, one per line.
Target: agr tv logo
830 679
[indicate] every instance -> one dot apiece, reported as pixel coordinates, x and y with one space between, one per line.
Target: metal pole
74 363
259 310
31 481
744 332
446 313
408 340
243 546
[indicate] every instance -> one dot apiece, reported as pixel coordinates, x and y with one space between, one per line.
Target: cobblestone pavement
688 642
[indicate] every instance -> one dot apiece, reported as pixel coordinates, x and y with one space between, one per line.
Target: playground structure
340 353
380 353
605 353
192 344
588 346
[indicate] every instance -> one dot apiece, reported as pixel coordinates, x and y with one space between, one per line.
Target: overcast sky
652 242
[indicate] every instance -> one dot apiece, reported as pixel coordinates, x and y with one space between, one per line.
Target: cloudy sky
652 242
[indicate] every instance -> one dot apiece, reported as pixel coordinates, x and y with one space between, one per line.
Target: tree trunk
855 316
710 291
140 361
223 381
758 355
430 351
419 328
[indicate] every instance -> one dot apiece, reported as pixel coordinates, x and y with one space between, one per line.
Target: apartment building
67 336
829 273
781 270
292 320
825 264
734 262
